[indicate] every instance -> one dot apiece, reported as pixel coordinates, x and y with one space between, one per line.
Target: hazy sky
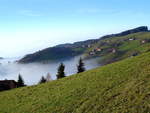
30 25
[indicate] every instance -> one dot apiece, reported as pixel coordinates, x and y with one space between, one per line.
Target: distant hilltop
64 51
136 30
87 42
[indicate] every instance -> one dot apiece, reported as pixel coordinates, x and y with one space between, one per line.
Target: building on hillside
7 85
83 46
89 46
92 53
131 39
98 49
114 50
143 41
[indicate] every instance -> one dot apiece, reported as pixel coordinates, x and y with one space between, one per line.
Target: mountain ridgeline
64 51
136 30
51 54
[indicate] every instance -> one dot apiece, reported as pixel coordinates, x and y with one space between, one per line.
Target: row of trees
47 79
60 73
61 69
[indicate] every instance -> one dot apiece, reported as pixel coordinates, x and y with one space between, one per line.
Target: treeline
60 73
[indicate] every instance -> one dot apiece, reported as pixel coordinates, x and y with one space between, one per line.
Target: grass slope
122 87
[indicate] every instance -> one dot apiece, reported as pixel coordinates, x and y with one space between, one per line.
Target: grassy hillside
118 48
122 87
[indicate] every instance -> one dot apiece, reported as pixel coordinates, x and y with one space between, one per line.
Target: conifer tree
20 81
61 73
80 66
43 80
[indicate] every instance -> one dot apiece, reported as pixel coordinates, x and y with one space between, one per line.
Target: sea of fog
32 73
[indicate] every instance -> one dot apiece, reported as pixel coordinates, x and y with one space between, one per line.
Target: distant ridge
64 51
78 44
124 33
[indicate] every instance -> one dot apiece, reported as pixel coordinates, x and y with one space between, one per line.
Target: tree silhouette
20 81
80 66
61 73
43 80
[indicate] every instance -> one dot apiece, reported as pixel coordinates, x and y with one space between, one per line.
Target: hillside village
100 49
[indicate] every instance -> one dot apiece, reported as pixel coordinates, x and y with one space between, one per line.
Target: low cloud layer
32 72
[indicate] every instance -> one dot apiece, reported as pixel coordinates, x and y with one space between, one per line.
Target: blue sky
29 25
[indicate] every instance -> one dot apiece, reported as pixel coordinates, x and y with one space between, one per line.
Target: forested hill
51 54
64 51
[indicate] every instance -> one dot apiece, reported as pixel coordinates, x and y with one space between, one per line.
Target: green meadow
121 87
